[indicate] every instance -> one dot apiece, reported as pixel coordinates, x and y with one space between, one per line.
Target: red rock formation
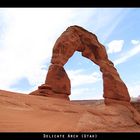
76 38
27 113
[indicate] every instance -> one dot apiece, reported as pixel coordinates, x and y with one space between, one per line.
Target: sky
27 36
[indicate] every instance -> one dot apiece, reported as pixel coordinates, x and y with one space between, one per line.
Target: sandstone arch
76 38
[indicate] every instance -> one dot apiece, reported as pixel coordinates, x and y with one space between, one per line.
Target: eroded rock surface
26 113
76 38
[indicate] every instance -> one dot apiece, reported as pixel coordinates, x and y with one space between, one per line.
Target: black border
69 3
70 135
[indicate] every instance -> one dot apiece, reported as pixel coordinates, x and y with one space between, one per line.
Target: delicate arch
76 38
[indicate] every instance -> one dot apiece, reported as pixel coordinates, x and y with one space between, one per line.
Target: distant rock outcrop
76 38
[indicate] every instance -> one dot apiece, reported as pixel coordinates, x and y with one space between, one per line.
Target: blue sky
27 36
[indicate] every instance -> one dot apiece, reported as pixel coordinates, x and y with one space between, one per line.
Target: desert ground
30 113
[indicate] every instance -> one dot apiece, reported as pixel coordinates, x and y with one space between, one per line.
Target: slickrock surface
28 113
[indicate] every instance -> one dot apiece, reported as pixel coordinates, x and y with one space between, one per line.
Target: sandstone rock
26 113
58 80
76 38
134 111
57 83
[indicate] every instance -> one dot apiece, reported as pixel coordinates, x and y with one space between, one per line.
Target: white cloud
107 19
135 42
115 46
26 91
134 89
28 40
132 52
78 78
80 81
86 94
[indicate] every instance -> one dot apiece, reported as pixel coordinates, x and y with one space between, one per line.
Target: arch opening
86 78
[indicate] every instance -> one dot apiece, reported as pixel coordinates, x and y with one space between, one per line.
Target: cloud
26 44
107 19
78 78
130 53
80 82
134 89
135 42
86 94
115 46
